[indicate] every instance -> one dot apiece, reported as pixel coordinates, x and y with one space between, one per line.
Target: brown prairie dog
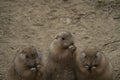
93 65
25 65
63 43
60 60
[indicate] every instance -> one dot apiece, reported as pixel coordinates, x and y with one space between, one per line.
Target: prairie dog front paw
72 48
33 69
38 66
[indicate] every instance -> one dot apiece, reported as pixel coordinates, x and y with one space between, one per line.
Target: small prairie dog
62 47
60 63
25 65
93 65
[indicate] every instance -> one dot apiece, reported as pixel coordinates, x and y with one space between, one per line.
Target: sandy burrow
35 22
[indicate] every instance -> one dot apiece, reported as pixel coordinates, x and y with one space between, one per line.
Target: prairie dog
62 46
60 63
93 65
25 65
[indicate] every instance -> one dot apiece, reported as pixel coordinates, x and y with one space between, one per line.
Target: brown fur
25 65
60 62
93 65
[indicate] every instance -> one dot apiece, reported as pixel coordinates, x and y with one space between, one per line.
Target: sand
36 22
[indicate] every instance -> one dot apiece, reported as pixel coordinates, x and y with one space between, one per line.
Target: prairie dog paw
38 66
72 47
33 69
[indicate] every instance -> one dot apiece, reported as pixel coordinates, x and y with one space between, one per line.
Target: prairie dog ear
57 36
98 55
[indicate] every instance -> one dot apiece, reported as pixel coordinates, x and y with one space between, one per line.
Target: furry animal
26 64
93 65
60 62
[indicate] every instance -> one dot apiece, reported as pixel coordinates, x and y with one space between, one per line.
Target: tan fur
93 65
25 66
60 62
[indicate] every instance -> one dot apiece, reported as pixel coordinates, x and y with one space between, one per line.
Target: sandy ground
35 22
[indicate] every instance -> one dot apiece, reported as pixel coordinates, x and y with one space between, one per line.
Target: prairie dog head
28 56
89 60
63 40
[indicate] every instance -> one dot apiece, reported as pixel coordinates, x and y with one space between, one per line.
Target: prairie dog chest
63 73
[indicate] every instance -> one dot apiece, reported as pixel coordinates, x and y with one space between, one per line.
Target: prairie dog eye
95 65
27 56
72 43
63 38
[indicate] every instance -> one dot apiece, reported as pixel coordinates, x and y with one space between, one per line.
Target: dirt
36 22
